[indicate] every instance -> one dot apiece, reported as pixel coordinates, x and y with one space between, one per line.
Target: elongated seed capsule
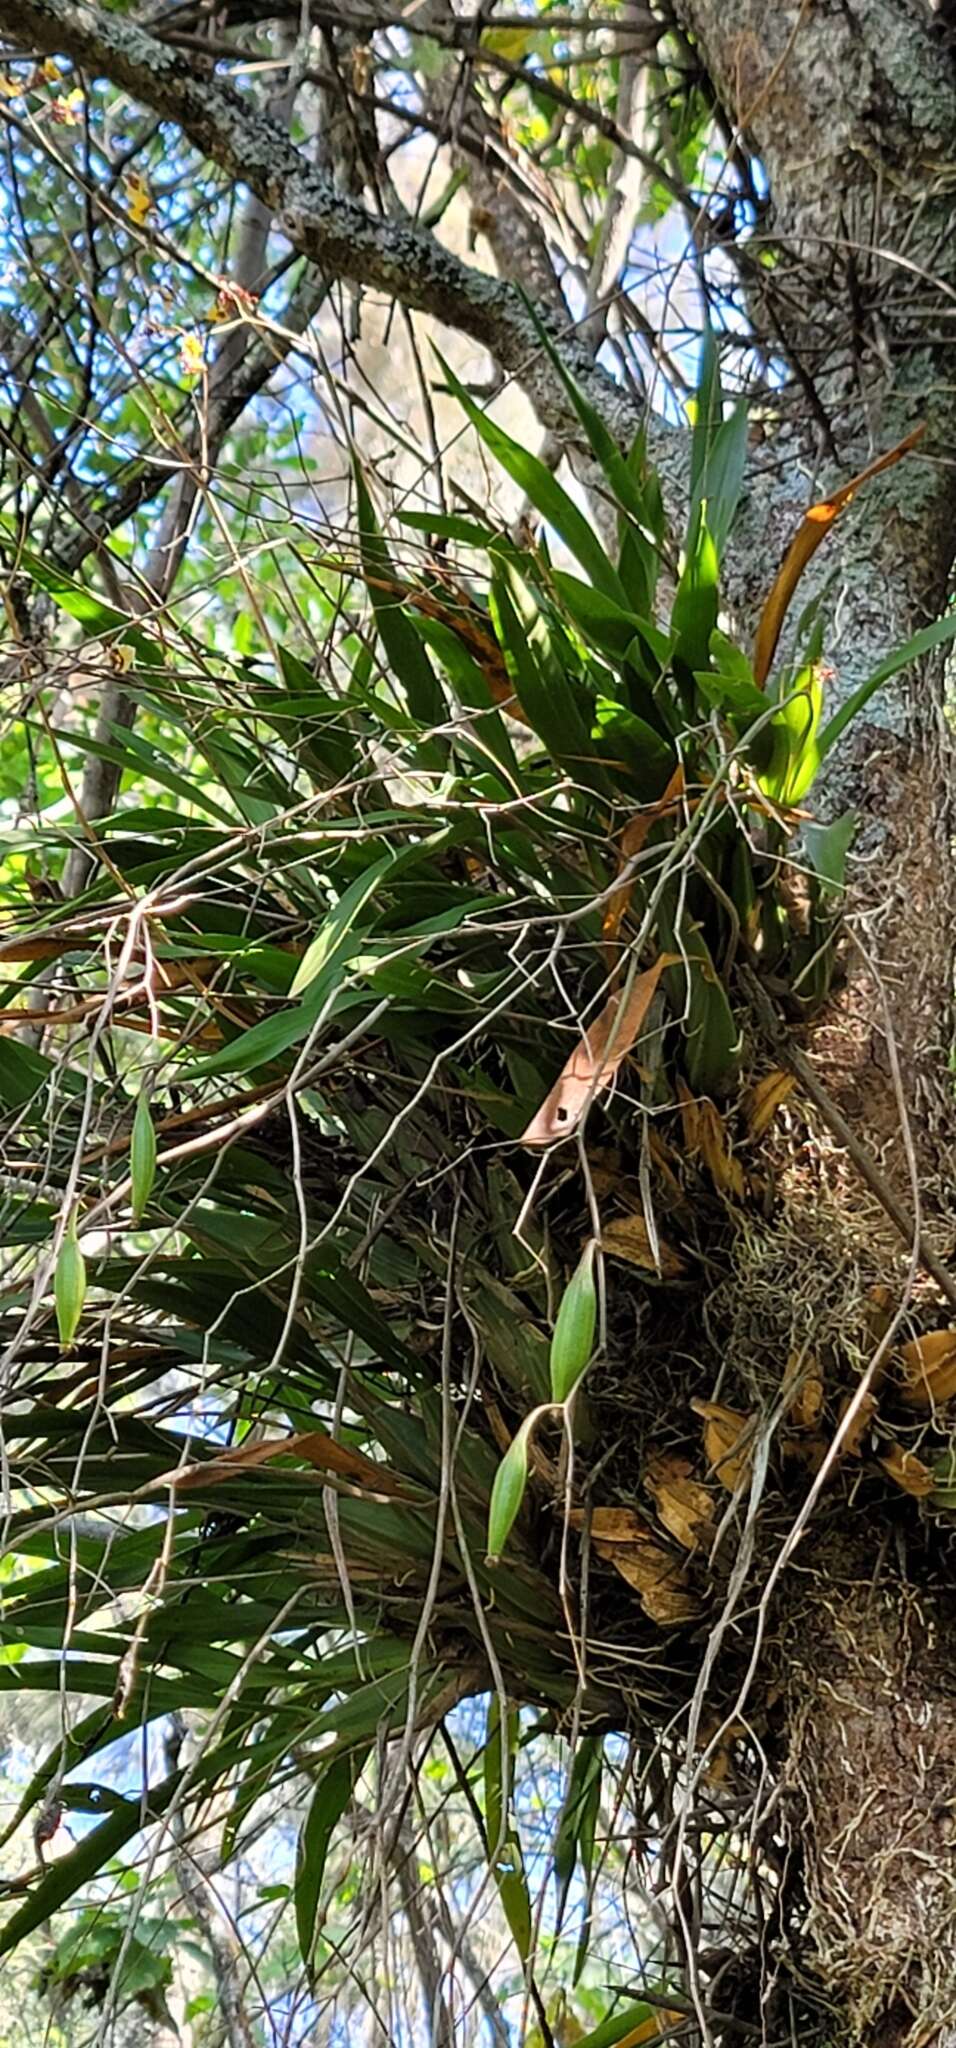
573 1339
69 1285
507 1492
142 1158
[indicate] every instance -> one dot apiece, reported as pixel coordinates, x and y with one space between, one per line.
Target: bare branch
333 230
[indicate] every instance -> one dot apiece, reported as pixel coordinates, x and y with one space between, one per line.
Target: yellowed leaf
852 1443
725 1171
659 1580
139 198
650 2030
723 1735
191 356
685 1507
806 1402
814 527
614 1525
665 1162
121 657
315 1446
626 1237
632 840
909 1472
606 1168
880 1312
66 110
689 1118
729 1459
764 1099
805 1450
929 1369
595 1061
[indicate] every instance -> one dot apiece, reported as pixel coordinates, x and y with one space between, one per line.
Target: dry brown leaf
764 1099
659 1580
689 1119
315 1446
909 1472
632 840
595 1061
613 1525
666 1465
725 1171
814 527
685 1507
627 1238
659 2023
806 1401
723 1430
852 1443
665 1161
717 1770
929 1369
606 1169
807 1450
880 1313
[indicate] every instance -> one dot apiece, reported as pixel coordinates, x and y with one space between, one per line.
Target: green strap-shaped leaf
545 691
636 745
708 416
544 491
504 1847
65 1877
411 667
724 475
694 614
642 520
333 1790
624 2025
826 848
912 650
576 1827
697 995
332 942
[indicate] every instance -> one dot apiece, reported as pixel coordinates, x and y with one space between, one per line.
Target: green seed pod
507 1492
573 1339
69 1285
142 1158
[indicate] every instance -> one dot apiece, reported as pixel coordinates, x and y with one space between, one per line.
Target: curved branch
333 231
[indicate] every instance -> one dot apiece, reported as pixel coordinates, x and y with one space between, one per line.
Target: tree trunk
870 1779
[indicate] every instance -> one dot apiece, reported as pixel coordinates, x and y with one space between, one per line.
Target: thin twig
836 1122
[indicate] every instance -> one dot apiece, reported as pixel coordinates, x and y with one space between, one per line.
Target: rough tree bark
853 110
